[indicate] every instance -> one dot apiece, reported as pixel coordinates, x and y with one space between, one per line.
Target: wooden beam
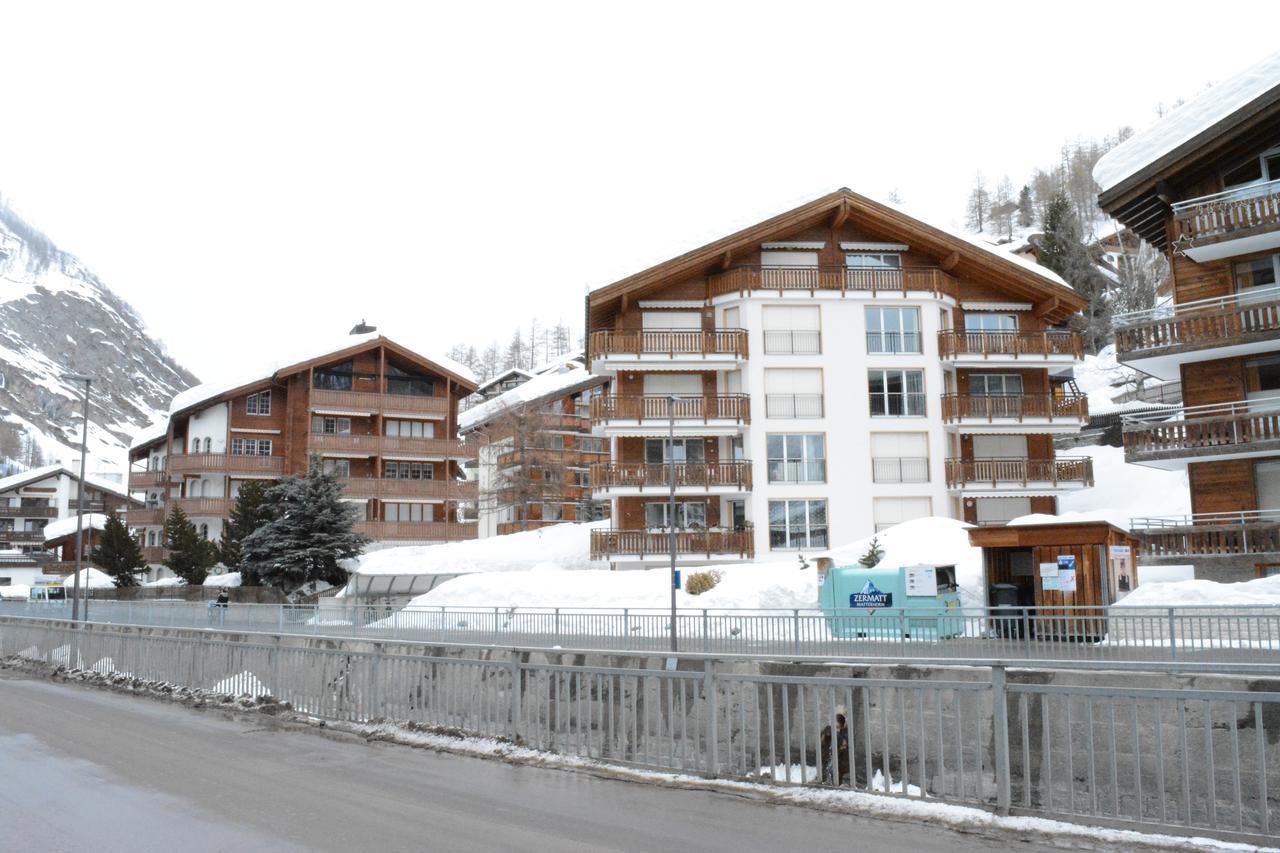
727 259
1047 306
842 215
950 261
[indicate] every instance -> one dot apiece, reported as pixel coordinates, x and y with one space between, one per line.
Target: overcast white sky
255 175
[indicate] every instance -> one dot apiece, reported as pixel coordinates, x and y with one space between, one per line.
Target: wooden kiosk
1057 565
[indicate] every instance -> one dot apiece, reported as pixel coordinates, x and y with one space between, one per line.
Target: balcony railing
1052 407
153 517
424 531
1220 534
745 279
899 469
389 489
792 342
1169 431
213 507
24 536
147 479
28 512
1007 472
382 445
154 554
893 343
1042 344
735 407
657 476
670 342
226 463
550 457
1228 215
793 406
370 402
656 543
1249 315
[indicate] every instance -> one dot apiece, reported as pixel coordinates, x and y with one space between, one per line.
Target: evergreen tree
309 531
1026 214
1063 251
247 515
117 553
874 553
190 555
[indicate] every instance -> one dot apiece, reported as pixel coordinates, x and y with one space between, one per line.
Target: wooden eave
1033 535
837 207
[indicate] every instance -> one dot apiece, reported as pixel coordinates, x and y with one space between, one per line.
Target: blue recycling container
907 602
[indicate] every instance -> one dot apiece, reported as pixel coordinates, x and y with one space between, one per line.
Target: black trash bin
1005 610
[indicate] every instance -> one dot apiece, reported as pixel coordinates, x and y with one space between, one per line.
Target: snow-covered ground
562 546
1261 592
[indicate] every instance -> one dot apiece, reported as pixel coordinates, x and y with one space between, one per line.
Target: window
995 385
793 393
797 458
988 322
873 261
250 447
409 429
1254 171
407 512
1262 383
792 329
258 404
340 377
337 467
798 524
890 511
690 321
899 457
208 444
408 471
324 425
684 450
204 531
893 330
1258 274
151 539
999 447
552 512
402 382
896 393
690 515
1266 480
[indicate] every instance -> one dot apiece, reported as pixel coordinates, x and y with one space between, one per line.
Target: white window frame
682 514
795 539
907 396
258 403
806 466
884 339
1005 381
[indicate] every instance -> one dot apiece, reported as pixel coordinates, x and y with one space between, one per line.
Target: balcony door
1262 384
1256 280
1266 479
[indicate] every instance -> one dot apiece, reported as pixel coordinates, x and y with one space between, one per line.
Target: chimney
362 328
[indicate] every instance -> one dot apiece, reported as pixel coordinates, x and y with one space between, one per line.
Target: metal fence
1216 637
1199 760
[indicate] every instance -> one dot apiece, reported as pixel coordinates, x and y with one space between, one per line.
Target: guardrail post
280 619
1026 632
713 715
197 661
795 629
706 631
1000 734
375 684
557 625
276 692
1173 639
515 696
496 629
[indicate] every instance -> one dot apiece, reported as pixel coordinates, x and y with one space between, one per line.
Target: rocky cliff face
56 317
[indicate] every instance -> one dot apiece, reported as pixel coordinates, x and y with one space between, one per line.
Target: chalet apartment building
832 371
380 416
1203 185
535 448
31 499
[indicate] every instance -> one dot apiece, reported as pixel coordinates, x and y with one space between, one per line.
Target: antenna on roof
362 328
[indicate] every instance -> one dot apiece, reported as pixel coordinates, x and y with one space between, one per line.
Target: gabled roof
970 255
511 371
17 481
542 388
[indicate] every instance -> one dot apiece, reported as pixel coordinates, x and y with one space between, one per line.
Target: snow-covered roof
67 526
537 388
152 432
560 362
14 481
209 390
512 371
1182 126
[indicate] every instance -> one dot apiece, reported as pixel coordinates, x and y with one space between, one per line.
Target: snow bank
94 578
227 579
1261 592
18 591
1120 491
242 684
67 526
169 581
562 546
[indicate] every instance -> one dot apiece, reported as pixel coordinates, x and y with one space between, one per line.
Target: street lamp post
671 510
84 455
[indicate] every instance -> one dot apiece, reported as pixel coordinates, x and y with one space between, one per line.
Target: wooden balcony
1159 340
388 489
28 512
638 478
859 282
373 403
26 537
1029 410
205 507
549 457
1171 436
660 407
154 554
985 475
667 345
506 528
139 480
1000 347
418 531
387 445
146 517
1226 534
226 463
1235 222
647 544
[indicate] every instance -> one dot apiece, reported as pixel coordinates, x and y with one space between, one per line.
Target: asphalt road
87 769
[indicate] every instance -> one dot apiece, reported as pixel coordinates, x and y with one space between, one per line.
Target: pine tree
190 555
1063 251
118 554
247 515
309 531
1026 214
874 554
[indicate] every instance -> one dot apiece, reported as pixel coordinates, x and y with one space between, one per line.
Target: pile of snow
93 578
226 579
1260 592
1121 491
67 526
561 546
1101 378
16 591
242 684
166 582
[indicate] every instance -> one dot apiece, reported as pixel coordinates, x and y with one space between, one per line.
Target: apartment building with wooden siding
31 499
1203 185
380 416
829 372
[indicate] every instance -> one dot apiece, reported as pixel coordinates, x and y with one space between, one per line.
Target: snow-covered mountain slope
57 317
